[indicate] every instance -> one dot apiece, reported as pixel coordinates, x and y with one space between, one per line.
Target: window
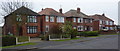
111 28
80 28
74 28
74 19
91 29
32 19
47 28
47 18
111 23
80 20
60 19
51 19
107 28
32 29
100 21
18 18
91 20
107 23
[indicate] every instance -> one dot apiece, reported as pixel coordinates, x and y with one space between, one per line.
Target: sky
89 7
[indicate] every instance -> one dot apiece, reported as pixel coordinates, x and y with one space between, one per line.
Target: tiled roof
100 17
50 11
73 13
23 11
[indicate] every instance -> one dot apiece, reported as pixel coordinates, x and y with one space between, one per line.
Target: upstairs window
19 18
32 19
74 19
100 21
107 23
111 23
51 19
60 19
47 18
80 20
31 29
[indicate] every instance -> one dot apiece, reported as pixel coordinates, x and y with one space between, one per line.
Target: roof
100 17
73 13
50 11
24 11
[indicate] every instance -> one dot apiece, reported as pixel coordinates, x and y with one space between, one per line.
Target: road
107 42
102 42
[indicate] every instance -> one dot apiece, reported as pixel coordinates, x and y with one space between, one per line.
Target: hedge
89 33
8 40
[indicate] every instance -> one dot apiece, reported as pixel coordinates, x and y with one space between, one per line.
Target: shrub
45 37
8 40
66 36
89 33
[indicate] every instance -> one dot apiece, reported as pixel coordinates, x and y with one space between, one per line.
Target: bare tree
12 5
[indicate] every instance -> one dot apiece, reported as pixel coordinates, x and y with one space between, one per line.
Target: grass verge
19 45
66 39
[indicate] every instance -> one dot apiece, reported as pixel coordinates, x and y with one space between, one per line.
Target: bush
45 37
89 33
8 40
66 36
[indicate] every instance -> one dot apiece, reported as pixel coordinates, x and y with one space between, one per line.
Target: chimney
103 14
42 8
78 10
60 10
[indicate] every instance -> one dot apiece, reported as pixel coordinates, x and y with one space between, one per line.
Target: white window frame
74 27
52 19
60 19
107 22
80 19
81 28
74 19
47 18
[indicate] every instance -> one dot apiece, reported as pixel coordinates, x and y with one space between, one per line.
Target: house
81 21
25 22
22 22
103 23
50 17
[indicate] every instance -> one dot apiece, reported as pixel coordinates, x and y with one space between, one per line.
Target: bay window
31 29
80 28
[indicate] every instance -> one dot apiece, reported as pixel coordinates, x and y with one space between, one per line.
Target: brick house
22 22
103 23
49 17
25 22
80 21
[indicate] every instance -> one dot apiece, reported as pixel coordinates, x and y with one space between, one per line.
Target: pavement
102 42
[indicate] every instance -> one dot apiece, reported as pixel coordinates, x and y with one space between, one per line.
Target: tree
12 5
67 29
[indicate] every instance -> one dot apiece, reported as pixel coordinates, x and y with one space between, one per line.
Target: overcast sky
89 7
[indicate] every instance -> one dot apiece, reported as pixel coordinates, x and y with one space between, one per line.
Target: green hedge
8 40
89 33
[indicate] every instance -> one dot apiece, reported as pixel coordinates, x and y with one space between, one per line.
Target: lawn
19 45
